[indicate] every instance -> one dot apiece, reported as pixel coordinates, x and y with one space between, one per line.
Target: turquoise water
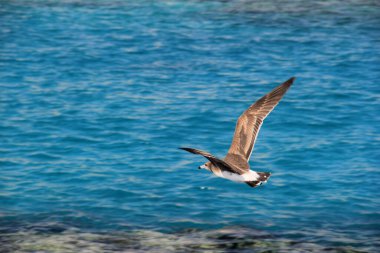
96 98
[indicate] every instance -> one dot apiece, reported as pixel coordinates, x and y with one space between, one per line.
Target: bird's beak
202 167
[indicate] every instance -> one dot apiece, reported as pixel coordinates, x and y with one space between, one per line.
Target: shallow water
97 97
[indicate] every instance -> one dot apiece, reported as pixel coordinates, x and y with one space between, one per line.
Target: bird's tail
263 177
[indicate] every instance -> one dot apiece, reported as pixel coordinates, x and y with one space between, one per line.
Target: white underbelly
248 176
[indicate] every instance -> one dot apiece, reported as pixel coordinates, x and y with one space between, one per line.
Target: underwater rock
230 239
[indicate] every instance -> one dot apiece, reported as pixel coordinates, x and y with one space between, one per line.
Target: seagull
235 165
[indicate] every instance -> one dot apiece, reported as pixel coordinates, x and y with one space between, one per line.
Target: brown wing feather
222 165
249 124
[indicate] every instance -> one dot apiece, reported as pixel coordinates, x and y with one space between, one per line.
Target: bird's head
206 166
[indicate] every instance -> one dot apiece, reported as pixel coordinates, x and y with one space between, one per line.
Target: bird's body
235 165
246 177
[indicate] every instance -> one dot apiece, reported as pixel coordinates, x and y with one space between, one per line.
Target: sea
96 97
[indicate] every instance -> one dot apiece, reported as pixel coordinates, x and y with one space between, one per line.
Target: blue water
95 99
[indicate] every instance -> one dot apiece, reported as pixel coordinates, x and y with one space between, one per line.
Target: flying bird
235 165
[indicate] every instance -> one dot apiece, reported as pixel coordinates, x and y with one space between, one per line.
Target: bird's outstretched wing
222 165
249 123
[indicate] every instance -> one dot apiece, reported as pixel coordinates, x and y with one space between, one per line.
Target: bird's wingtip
190 150
291 80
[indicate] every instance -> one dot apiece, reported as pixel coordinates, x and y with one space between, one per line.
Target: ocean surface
97 96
